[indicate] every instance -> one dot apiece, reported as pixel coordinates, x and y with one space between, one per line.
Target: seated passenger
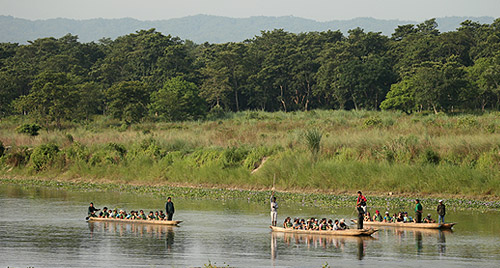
315 225
336 225
342 225
142 216
151 216
405 217
104 213
400 217
296 224
377 216
157 215
367 216
303 225
387 217
114 214
428 219
162 215
330 224
323 225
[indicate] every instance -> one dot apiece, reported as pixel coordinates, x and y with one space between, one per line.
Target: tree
127 101
53 98
178 100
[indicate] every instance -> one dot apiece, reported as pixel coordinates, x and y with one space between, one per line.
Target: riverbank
321 200
319 151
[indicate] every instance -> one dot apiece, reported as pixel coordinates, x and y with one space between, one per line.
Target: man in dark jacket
441 210
169 209
92 210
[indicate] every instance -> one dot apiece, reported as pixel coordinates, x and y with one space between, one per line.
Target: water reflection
421 238
136 229
361 249
316 241
418 239
441 242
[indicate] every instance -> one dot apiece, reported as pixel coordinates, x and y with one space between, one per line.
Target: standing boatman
169 209
361 215
361 201
418 211
274 210
441 210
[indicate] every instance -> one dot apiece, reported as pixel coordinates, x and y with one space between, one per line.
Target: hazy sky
322 10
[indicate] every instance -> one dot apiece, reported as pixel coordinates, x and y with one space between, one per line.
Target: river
43 227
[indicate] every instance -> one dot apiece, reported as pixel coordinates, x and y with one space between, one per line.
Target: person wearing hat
377 216
342 225
441 210
418 211
387 217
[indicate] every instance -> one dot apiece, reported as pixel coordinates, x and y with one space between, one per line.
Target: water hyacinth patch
286 198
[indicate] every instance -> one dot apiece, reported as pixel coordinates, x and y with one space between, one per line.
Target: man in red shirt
361 201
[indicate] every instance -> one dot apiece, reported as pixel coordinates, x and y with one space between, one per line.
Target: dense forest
149 76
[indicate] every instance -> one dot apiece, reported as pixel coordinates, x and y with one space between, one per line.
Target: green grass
376 152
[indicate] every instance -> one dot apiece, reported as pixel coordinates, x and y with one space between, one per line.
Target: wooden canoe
348 232
171 223
443 226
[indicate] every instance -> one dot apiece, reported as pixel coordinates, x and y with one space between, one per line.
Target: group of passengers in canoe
396 217
314 224
133 215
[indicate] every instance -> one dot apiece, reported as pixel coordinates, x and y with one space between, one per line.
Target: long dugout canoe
156 222
409 224
348 232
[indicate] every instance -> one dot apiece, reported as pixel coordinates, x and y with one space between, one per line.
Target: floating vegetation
286 198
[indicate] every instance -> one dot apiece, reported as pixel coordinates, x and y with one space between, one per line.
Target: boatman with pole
169 209
441 210
361 215
361 201
274 210
418 211
92 210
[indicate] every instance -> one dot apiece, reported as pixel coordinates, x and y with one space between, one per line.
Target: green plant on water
313 140
30 129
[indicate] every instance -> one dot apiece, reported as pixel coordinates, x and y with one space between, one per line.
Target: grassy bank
376 152
258 196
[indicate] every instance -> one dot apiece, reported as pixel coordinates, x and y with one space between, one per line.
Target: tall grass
373 151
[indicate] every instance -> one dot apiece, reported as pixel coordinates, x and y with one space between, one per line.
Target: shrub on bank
44 156
30 129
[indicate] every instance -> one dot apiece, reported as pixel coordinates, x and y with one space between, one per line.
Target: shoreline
312 199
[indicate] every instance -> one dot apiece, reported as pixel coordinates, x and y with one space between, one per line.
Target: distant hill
199 28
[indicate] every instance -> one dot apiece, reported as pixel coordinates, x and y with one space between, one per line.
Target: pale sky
321 10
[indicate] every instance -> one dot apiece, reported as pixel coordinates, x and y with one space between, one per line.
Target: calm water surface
42 227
